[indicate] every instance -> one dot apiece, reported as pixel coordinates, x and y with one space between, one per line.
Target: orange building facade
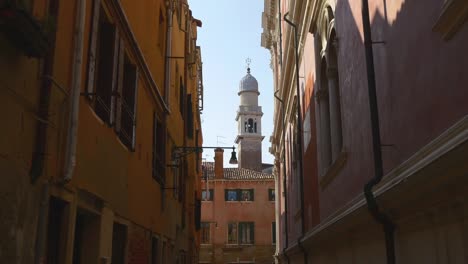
238 214
96 98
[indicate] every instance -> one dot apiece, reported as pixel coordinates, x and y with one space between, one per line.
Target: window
239 194
232 233
112 77
246 195
271 194
205 233
102 75
128 105
273 233
231 195
181 97
329 118
158 151
208 195
241 233
250 125
161 30
189 125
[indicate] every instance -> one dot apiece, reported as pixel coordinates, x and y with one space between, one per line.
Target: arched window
329 126
250 125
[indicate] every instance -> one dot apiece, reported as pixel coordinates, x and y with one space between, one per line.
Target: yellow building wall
109 180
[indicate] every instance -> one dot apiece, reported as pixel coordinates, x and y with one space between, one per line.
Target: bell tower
249 124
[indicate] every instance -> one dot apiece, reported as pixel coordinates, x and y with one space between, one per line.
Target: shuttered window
128 104
189 125
158 150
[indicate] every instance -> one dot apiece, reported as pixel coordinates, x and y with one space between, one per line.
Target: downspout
380 217
70 152
299 130
40 140
283 120
280 35
167 77
42 225
285 255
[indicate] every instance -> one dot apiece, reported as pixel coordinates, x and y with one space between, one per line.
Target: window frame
239 195
271 193
239 233
205 226
211 197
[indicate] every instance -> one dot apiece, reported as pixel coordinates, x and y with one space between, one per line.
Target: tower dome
248 83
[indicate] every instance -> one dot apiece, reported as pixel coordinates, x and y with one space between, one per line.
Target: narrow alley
222 132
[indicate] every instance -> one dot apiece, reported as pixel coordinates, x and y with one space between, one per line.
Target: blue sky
230 34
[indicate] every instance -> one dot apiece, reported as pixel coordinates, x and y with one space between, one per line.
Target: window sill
332 171
454 14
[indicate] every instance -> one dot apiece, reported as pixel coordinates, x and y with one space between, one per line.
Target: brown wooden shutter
135 75
115 77
92 48
119 87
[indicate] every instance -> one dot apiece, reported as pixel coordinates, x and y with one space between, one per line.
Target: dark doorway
56 231
86 242
119 243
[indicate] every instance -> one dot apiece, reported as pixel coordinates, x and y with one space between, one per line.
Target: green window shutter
226 194
252 194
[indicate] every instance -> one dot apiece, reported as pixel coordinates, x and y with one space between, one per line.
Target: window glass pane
232 233
246 195
246 233
271 194
232 195
207 196
205 233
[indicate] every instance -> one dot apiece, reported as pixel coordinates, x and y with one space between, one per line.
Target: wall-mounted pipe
42 225
286 255
40 140
280 35
380 217
70 151
167 77
283 124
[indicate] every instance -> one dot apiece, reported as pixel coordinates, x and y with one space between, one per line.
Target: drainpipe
42 225
380 217
70 152
286 255
299 128
40 141
280 35
284 170
167 78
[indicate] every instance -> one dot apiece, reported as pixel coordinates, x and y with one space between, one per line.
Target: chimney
219 163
